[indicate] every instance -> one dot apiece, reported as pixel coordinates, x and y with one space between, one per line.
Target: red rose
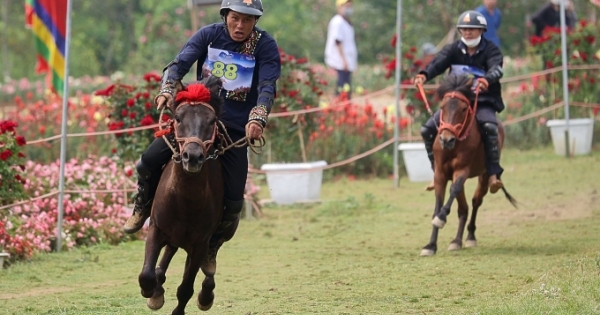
5 155
130 102
20 140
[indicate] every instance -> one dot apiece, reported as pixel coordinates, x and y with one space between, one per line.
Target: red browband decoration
193 93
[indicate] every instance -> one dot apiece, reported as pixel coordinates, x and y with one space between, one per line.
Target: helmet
471 19
251 7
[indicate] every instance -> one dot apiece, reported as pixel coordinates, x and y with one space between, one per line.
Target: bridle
460 130
185 141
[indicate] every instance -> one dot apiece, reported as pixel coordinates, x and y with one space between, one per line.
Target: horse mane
208 91
459 83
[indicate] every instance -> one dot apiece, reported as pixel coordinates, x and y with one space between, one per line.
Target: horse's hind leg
480 192
185 291
158 298
147 278
463 213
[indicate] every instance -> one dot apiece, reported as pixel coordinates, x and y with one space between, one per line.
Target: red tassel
194 93
163 132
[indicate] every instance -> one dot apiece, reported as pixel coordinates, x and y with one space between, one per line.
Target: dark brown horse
458 155
189 201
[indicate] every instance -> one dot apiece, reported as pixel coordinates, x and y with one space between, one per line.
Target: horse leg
185 291
206 296
457 186
440 189
480 192
463 213
147 278
158 298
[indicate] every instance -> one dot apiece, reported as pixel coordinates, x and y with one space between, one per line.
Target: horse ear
214 84
470 80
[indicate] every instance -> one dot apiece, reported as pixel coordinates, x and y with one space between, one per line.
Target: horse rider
248 90
473 55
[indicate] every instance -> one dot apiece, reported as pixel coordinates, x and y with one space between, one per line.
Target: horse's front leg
158 298
147 278
185 291
440 190
457 186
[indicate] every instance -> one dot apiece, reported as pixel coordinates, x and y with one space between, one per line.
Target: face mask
348 12
471 42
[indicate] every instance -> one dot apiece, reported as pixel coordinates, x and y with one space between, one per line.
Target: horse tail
510 198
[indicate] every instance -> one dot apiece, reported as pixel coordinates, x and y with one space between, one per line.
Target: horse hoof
427 252
204 307
471 243
155 303
454 246
438 223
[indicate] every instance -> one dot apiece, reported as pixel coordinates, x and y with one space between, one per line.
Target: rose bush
131 106
12 160
90 217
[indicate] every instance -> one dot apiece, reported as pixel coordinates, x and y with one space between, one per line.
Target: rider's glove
419 79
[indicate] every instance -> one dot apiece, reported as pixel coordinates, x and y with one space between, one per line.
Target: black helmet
471 19
251 7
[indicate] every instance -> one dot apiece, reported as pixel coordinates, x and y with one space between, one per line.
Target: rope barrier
338 105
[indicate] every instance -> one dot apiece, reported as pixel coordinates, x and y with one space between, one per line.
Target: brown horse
458 155
189 200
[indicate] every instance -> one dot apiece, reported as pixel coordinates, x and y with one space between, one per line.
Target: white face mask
471 42
348 11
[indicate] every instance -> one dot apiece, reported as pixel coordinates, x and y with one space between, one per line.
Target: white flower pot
580 135
416 162
294 182
2 256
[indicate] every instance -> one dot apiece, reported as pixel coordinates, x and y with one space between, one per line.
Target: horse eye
177 119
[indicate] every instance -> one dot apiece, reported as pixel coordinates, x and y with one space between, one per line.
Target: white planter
2 256
416 162
294 182
580 135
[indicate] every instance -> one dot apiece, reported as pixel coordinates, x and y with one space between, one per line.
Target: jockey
248 90
477 56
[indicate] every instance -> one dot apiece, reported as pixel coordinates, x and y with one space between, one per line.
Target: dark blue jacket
488 58
234 114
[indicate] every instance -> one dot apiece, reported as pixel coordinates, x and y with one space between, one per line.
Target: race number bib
465 69
234 69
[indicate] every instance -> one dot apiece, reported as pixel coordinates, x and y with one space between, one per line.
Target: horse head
196 112
456 110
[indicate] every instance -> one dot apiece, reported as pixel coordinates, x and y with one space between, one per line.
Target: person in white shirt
340 50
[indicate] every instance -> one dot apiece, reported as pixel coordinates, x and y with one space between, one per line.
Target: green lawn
358 253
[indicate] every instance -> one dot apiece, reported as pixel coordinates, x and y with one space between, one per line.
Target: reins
225 143
461 131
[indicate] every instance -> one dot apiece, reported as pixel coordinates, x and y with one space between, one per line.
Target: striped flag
28 13
49 24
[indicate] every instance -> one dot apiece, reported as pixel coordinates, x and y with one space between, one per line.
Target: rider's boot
147 184
231 212
492 156
429 135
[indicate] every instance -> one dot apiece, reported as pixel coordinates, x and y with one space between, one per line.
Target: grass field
358 253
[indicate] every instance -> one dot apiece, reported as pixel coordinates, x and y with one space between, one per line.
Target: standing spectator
494 18
340 49
549 16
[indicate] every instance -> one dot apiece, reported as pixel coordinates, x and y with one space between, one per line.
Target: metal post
565 73
398 78
63 139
